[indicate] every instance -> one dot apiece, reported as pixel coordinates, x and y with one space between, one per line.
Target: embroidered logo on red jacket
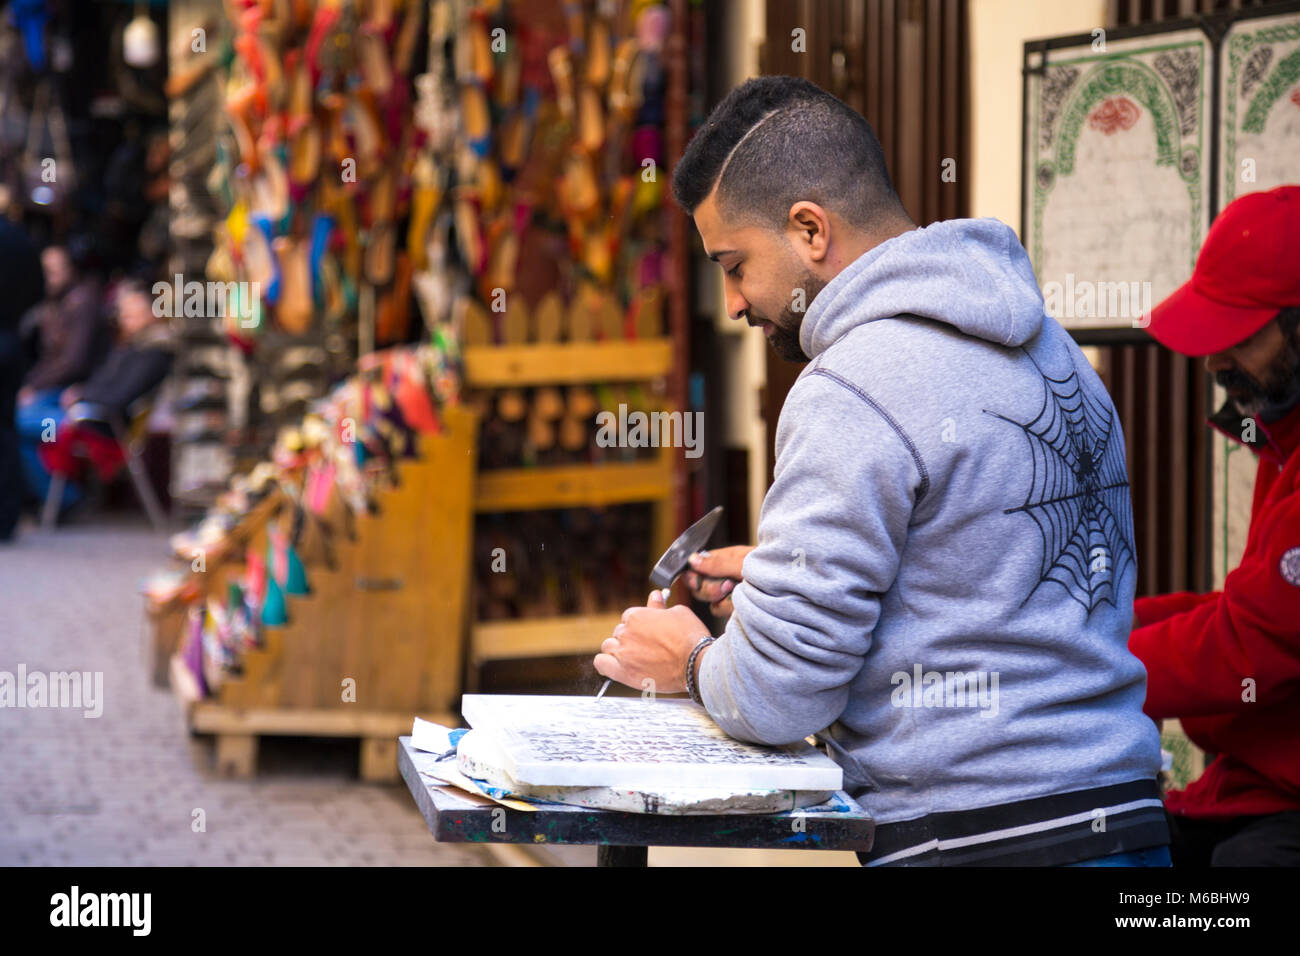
1290 567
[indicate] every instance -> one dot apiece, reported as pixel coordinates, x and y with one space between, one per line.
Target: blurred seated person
72 334
136 366
69 322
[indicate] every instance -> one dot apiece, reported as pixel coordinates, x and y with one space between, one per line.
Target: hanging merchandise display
313 175
514 190
210 379
555 202
345 449
553 232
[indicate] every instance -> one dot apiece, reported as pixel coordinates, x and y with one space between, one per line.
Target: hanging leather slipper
591 119
474 324
598 66
511 406
379 254
304 165
579 326
475 117
548 318
561 67
259 258
294 311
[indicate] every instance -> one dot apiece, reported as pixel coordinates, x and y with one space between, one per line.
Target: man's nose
1218 362
737 305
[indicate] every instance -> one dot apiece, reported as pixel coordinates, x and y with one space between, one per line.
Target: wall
999 29
744 357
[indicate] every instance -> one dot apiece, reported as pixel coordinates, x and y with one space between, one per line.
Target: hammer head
674 560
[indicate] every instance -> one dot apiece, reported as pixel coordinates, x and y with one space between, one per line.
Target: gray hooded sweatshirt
942 587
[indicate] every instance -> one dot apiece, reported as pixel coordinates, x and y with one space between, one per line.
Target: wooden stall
380 636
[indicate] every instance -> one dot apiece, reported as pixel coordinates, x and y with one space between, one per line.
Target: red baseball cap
1247 271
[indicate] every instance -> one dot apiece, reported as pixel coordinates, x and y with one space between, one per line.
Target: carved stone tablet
638 744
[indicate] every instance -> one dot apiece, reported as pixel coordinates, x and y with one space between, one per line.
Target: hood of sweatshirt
972 274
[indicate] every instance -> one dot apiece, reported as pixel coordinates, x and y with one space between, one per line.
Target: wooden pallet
237 732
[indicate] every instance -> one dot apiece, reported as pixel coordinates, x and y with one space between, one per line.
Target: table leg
622 855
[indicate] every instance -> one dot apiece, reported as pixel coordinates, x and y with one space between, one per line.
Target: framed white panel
1117 145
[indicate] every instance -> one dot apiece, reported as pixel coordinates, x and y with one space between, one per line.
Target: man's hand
653 643
714 576
26 395
71 395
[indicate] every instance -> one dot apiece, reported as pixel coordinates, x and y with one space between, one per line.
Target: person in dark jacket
21 287
1227 663
138 362
71 327
135 367
71 336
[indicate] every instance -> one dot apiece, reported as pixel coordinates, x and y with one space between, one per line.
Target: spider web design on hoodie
1079 493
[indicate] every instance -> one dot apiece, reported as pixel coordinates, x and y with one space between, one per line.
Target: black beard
785 333
785 343
1269 401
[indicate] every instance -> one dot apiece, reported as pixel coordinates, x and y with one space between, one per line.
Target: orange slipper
562 76
379 254
294 312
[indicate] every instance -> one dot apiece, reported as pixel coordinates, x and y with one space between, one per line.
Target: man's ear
810 226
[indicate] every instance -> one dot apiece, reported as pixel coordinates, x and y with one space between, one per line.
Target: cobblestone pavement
123 788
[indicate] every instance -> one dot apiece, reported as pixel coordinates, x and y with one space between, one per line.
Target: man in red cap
1227 664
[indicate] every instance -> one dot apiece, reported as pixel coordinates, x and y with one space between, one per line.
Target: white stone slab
480 758
641 744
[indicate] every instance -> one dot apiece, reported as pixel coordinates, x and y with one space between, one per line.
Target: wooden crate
569 486
164 626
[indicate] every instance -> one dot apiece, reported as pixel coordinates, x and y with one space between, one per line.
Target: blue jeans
31 421
1152 856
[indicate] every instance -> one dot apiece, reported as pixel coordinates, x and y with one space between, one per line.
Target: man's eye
734 271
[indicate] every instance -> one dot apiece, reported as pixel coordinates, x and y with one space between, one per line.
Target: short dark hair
776 140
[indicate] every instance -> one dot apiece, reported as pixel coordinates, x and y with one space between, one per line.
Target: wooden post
622 855
379 759
236 755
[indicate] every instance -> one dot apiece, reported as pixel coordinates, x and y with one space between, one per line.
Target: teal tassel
274 611
295 581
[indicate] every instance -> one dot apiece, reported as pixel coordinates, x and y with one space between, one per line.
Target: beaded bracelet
690 668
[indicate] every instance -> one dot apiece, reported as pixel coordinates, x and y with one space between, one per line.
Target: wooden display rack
576 361
568 486
387 609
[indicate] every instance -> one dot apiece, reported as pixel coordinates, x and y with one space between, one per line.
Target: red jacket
1202 651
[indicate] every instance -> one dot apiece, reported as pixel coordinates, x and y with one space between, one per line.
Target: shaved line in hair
726 163
808 145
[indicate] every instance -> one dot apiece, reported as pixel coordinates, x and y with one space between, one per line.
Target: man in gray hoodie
943 583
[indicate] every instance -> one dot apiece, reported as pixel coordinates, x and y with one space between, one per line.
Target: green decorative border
1122 73
1239 46
1279 81
1139 81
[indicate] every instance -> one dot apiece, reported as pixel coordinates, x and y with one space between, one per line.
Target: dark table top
454 816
